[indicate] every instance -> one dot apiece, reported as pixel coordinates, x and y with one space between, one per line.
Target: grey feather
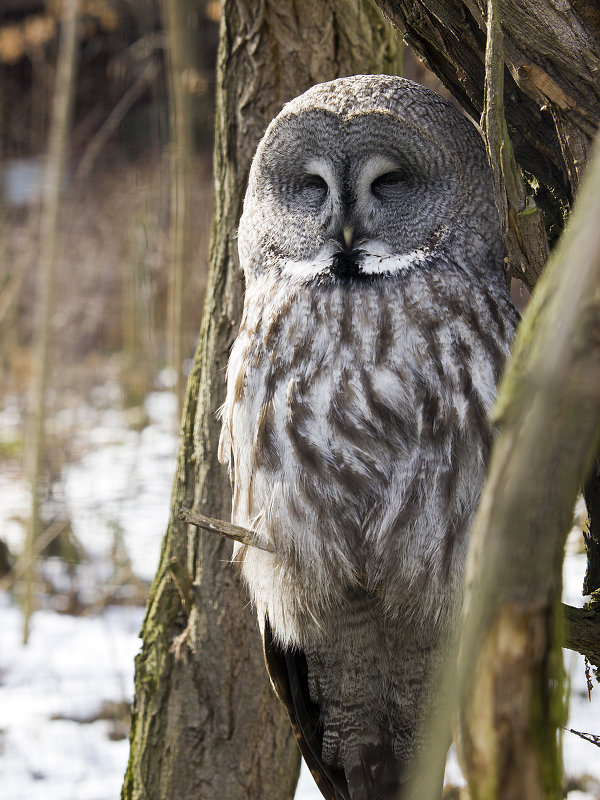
376 324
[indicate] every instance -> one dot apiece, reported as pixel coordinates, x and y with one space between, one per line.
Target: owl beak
348 235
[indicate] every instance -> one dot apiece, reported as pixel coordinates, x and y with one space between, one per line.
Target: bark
48 254
548 411
205 721
582 632
522 225
591 536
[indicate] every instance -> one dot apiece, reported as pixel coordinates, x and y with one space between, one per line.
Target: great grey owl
375 327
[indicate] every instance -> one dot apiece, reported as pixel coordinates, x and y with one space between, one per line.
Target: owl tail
289 676
374 775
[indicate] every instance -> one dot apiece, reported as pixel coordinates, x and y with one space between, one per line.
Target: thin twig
222 528
593 738
51 533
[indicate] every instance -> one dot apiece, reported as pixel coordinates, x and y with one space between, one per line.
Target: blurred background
116 341
102 280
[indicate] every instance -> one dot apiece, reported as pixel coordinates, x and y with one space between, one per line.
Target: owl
376 325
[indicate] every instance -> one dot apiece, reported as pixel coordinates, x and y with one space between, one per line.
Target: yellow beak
348 233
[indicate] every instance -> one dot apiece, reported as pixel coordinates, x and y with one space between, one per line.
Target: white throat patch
373 257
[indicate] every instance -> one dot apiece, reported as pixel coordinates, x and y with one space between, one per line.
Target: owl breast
356 432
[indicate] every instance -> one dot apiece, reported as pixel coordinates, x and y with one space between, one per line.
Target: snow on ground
52 691
581 758
48 691
126 481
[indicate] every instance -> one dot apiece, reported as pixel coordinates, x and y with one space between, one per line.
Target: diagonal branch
548 412
227 529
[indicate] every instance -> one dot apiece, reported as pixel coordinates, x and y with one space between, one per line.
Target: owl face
339 194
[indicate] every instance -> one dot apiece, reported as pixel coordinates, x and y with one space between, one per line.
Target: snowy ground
48 692
59 736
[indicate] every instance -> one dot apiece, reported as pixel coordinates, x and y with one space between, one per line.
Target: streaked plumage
375 327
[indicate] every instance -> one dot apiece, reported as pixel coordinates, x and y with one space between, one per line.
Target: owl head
364 177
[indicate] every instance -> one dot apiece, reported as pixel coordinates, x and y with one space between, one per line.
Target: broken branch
227 529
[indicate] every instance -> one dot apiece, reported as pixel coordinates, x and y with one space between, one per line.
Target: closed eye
313 189
388 182
313 182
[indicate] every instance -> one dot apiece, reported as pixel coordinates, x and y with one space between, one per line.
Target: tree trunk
548 410
205 721
591 582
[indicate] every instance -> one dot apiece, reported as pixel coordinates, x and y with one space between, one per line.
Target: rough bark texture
205 721
522 224
582 632
548 411
592 535
551 84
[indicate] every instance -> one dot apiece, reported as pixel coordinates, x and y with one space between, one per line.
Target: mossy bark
205 722
548 411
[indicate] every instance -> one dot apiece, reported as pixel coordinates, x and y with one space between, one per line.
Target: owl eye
388 182
314 186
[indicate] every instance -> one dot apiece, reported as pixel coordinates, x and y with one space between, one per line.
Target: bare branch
227 529
589 737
